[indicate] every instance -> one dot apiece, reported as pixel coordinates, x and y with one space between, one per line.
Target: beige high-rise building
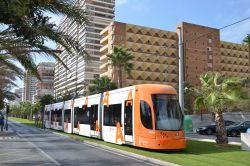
156 53
101 14
235 59
46 84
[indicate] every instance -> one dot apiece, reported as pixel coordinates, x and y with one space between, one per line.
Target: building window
209 48
210 65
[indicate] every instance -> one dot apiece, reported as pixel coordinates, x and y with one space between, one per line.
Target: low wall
207 118
245 141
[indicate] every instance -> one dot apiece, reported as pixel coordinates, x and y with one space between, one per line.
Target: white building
101 14
18 97
29 86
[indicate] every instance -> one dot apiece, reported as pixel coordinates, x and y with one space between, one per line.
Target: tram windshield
168 114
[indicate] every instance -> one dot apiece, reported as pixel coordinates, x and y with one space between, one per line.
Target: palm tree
246 40
216 94
189 95
27 26
100 85
120 60
7 81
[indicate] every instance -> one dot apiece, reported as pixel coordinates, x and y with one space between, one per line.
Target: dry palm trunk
120 77
116 76
221 134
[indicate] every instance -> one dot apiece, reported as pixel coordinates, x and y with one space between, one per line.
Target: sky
164 14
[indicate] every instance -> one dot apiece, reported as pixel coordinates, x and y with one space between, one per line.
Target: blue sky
164 14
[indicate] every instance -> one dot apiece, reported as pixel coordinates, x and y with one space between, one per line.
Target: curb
126 153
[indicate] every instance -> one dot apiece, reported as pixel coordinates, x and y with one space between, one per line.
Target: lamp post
7 114
181 73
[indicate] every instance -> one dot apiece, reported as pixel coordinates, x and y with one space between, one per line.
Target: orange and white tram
147 116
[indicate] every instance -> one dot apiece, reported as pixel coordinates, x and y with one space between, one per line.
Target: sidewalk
211 138
6 133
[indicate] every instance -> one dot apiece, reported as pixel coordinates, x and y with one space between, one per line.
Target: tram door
128 120
93 119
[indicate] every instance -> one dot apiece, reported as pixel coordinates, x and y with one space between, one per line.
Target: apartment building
46 84
80 73
156 53
29 86
18 97
235 59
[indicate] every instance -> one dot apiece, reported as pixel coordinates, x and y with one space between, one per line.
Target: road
24 145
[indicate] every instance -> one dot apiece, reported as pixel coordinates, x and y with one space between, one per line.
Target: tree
27 25
189 96
67 95
46 99
25 109
216 94
101 84
246 40
35 109
7 82
120 60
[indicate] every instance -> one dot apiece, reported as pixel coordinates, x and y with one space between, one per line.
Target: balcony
104 67
103 58
104 40
105 31
104 49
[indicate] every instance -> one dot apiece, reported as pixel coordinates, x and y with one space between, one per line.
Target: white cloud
121 2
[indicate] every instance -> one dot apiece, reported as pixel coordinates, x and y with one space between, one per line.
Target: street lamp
7 114
181 72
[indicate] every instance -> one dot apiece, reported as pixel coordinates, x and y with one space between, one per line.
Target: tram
146 116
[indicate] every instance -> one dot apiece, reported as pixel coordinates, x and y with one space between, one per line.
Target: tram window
67 115
59 116
85 114
52 115
112 114
93 116
55 115
77 111
168 115
128 117
46 115
146 115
